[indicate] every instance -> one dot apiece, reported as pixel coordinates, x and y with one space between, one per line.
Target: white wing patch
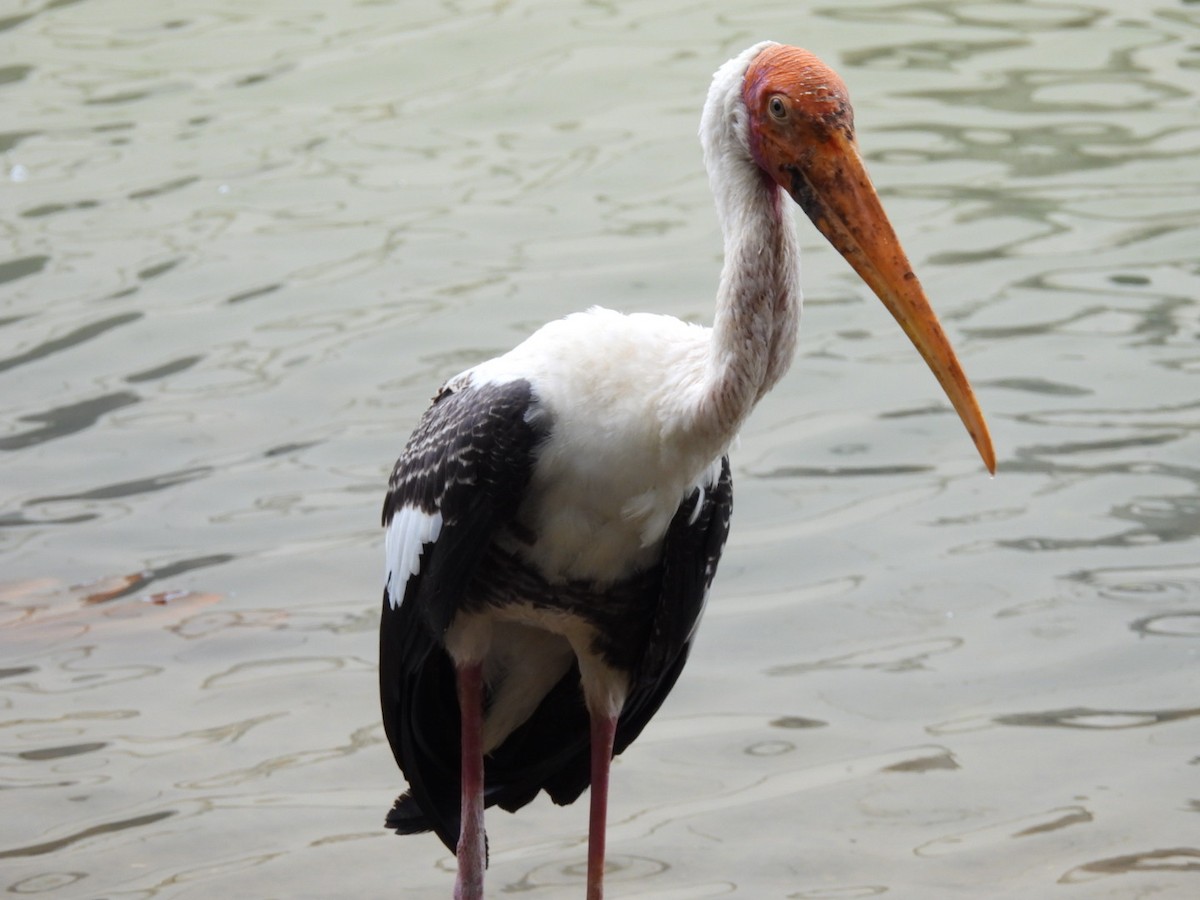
409 531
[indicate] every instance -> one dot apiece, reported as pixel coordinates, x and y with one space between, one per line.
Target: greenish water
240 246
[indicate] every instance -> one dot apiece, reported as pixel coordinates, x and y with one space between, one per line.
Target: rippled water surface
240 245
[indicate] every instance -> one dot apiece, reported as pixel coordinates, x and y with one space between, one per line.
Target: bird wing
461 476
691 552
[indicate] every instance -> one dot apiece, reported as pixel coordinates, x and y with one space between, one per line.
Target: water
241 246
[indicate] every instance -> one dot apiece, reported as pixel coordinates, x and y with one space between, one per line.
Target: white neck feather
758 300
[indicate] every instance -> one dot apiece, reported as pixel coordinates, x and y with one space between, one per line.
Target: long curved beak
833 188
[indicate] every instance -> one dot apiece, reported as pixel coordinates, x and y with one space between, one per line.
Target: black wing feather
470 460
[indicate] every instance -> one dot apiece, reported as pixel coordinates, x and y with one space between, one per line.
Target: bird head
801 134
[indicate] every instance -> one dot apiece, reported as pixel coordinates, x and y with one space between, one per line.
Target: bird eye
777 107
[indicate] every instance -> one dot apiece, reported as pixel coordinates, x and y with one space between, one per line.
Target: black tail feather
405 816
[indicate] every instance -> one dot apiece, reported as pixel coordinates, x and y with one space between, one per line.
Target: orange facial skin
802 137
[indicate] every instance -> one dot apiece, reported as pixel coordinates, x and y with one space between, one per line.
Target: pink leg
604 729
472 853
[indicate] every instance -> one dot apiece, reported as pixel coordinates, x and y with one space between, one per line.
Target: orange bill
835 191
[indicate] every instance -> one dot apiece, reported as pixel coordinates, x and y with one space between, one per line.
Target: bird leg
472 846
603 732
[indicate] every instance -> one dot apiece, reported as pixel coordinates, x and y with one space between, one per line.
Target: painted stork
555 521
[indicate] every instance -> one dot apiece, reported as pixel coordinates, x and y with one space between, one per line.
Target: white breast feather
622 453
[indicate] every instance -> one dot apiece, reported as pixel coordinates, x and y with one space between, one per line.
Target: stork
555 521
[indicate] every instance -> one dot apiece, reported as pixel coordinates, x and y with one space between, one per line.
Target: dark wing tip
405 816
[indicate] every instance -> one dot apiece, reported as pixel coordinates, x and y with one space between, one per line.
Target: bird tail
405 816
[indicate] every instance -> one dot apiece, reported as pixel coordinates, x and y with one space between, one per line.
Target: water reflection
1096 718
942 55
1176 624
1040 151
1005 16
61 421
1139 584
93 831
71 339
44 753
14 269
1173 859
1037 824
617 870
903 657
1123 87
